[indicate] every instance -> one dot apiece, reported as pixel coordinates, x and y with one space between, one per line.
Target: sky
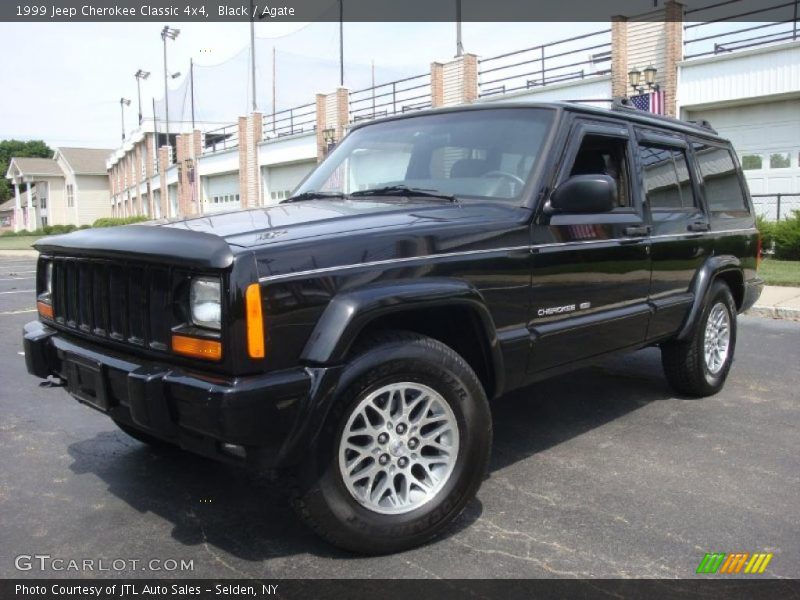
64 81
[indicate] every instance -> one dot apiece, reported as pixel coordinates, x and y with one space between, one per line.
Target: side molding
701 286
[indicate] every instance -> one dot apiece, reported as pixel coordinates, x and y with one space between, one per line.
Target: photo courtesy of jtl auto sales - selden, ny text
380 300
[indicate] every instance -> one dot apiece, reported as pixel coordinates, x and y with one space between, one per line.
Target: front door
591 272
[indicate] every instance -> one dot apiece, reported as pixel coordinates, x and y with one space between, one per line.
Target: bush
786 235
113 222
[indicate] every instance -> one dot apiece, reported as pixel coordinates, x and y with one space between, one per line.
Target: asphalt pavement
599 473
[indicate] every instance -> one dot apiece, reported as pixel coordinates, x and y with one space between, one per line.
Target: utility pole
167 33
253 55
139 76
459 45
123 102
341 43
274 87
191 88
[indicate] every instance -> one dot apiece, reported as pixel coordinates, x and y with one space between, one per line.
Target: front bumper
199 412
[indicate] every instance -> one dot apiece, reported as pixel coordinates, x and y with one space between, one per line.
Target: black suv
352 335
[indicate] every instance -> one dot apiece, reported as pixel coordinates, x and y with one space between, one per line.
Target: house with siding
71 188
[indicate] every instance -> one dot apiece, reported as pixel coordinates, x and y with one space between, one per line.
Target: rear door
591 272
680 242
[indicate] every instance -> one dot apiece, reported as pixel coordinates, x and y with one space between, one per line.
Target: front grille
114 300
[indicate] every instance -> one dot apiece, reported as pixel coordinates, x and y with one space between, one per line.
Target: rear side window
667 183
723 189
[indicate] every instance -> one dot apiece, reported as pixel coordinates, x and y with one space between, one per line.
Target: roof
620 112
36 166
9 204
86 161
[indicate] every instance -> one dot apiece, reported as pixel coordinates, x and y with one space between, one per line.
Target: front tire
405 447
700 365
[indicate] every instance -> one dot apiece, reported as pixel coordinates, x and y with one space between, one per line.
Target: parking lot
599 473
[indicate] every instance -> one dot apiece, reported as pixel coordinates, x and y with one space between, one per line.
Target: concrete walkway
778 302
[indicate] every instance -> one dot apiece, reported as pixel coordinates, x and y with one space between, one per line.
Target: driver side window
605 155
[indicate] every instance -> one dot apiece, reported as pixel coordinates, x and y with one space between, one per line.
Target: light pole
123 102
139 76
167 33
253 54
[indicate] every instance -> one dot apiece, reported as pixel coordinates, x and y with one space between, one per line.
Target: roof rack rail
704 124
625 104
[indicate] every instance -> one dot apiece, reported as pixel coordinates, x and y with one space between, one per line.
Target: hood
326 217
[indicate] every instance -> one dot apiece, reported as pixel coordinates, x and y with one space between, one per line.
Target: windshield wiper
312 196
404 190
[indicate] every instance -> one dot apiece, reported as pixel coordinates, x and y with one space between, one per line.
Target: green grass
780 272
13 242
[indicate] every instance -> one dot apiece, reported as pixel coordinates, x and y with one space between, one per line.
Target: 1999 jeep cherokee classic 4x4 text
353 335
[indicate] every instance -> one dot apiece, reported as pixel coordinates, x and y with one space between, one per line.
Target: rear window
723 188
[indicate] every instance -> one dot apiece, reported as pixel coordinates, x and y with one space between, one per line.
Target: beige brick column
250 135
673 16
333 113
437 84
619 57
454 82
163 164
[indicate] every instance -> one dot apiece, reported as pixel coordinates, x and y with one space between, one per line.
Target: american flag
650 102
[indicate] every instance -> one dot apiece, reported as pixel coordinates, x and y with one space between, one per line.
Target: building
71 188
700 63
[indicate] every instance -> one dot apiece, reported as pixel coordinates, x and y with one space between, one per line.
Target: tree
12 148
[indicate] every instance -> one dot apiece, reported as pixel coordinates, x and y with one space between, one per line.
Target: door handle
636 231
698 226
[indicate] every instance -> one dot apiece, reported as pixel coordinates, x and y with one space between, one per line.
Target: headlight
205 302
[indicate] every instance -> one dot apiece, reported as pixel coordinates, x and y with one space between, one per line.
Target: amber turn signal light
255 321
45 310
196 347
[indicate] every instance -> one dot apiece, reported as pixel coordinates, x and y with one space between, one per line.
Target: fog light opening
234 450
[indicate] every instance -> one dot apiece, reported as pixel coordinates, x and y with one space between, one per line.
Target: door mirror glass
585 194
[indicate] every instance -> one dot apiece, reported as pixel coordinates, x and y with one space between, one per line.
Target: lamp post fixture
123 102
139 76
171 34
649 82
329 136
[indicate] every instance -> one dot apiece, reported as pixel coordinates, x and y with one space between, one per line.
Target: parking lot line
17 312
18 292
16 278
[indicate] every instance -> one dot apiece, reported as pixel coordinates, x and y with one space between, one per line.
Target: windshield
475 154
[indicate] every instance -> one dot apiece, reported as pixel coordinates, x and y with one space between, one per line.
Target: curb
775 312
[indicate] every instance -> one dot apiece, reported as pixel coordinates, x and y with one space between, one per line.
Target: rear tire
699 365
404 449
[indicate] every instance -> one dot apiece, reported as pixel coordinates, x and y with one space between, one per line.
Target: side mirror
582 194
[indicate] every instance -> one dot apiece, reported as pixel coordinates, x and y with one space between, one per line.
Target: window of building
723 190
779 160
70 195
752 162
604 155
667 183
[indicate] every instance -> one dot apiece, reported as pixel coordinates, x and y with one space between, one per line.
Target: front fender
347 314
701 286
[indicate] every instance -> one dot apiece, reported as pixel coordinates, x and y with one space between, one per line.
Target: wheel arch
727 268
449 310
